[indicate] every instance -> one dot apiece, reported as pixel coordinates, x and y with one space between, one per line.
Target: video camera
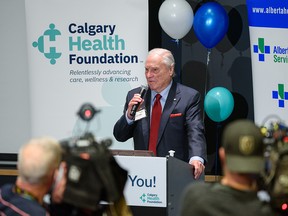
276 164
93 175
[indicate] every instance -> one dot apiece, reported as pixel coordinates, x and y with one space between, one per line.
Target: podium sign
146 184
155 184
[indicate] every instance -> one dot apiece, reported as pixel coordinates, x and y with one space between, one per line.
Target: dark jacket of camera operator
237 194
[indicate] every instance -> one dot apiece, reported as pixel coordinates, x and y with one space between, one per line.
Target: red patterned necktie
155 122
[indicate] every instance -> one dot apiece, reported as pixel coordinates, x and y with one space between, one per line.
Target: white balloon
176 18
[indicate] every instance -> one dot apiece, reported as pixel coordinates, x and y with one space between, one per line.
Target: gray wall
14 86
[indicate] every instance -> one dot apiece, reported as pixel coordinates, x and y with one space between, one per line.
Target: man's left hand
198 168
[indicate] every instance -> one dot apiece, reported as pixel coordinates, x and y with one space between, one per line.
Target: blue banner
268 28
271 13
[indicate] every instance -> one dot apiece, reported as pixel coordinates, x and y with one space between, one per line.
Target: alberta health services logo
150 198
280 54
280 95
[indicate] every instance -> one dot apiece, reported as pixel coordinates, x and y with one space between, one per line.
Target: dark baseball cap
244 148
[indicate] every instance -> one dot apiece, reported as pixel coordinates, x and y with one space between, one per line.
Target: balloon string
208 56
176 41
177 68
217 147
206 78
206 74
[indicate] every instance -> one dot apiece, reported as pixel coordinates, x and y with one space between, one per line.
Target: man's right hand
59 183
135 100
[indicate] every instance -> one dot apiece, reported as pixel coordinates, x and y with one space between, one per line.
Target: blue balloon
219 104
210 24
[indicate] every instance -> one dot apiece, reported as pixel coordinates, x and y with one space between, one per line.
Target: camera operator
276 164
38 161
237 194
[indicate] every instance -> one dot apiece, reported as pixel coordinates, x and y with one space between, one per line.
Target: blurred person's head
37 162
243 145
242 155
159 69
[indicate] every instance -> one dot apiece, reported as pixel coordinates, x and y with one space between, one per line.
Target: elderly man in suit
180 126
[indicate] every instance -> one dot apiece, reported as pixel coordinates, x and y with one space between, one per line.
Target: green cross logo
261 49
280 95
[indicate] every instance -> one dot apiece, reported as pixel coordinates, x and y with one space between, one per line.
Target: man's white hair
167 56
38 158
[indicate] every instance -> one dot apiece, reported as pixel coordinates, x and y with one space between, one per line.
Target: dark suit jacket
181 128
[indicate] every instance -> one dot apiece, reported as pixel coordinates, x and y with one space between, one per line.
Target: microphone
135 106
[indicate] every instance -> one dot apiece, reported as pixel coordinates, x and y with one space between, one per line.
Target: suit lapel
146 121
172 100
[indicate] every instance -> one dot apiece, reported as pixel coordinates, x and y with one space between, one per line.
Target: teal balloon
219 104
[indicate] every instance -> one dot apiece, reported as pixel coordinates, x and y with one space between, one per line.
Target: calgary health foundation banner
88 51
268 26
